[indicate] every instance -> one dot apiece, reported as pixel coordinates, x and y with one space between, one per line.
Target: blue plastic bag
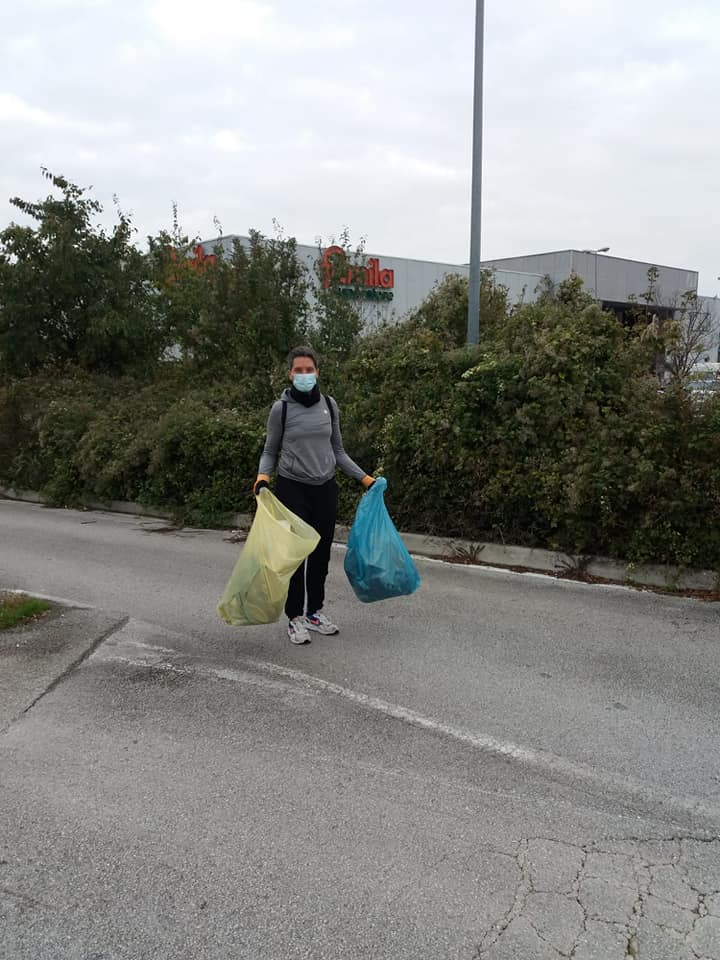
377 563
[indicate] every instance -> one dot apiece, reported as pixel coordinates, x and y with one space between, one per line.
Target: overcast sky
601 122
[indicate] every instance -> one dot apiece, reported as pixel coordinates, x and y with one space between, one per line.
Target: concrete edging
111 506
492 554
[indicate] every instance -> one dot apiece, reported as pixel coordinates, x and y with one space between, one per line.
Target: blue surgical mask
304 382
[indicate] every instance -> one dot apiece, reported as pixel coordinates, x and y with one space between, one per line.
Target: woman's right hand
262 481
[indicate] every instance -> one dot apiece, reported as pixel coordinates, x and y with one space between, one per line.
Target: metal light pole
473 325
596 252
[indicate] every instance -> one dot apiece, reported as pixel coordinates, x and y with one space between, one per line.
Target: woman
304 429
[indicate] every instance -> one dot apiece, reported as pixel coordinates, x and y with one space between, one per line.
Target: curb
110 506
486 554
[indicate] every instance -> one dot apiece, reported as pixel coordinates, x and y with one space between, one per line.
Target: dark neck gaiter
306 399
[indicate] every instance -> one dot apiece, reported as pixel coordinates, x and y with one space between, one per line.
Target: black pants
318 507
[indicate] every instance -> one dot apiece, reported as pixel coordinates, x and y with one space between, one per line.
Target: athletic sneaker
297 631
320 624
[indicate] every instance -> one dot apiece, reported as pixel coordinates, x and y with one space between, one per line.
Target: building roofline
484 263
225 236
369 253
526 256
519 273
608 256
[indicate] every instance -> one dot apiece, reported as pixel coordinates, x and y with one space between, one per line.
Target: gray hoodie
312 445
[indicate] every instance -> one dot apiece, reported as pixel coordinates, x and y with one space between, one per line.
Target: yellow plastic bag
277 544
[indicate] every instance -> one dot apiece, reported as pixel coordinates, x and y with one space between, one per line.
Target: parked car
705 381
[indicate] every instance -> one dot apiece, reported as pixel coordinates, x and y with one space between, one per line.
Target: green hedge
85 438
551 432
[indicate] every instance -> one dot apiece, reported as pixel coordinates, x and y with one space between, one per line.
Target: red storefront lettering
336 269
200 260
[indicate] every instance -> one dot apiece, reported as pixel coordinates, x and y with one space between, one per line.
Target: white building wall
521 287
413 279
711 354
611 279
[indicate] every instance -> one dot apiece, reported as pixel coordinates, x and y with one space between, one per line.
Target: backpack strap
283 418
331 407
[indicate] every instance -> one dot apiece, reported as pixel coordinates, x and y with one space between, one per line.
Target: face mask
304 382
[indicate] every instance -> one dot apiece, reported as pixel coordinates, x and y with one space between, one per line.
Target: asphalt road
500 766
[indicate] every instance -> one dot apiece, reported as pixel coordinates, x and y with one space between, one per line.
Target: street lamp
596 252
473 324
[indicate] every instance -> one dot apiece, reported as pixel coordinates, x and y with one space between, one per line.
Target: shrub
203 462
552 431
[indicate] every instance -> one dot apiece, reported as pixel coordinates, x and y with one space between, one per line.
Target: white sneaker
297 631
320 624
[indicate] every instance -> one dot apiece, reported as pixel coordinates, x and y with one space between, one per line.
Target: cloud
229 23
63 5
230 141
383 163
599 119
189 23
14 109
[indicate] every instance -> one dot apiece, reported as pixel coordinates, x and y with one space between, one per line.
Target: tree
236 312
340 310
678 331
70 291
684 338
182 288
445 308
397 388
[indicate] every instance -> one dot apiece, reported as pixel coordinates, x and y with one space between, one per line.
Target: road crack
61 677
637 897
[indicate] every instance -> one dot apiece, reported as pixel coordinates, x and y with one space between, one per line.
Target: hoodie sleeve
343 461
273 440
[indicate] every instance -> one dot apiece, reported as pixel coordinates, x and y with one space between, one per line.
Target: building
388 288
711 307
617 282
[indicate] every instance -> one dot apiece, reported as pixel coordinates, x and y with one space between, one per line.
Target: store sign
369 282
199 261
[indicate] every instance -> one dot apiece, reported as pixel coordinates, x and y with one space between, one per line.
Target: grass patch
16 608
